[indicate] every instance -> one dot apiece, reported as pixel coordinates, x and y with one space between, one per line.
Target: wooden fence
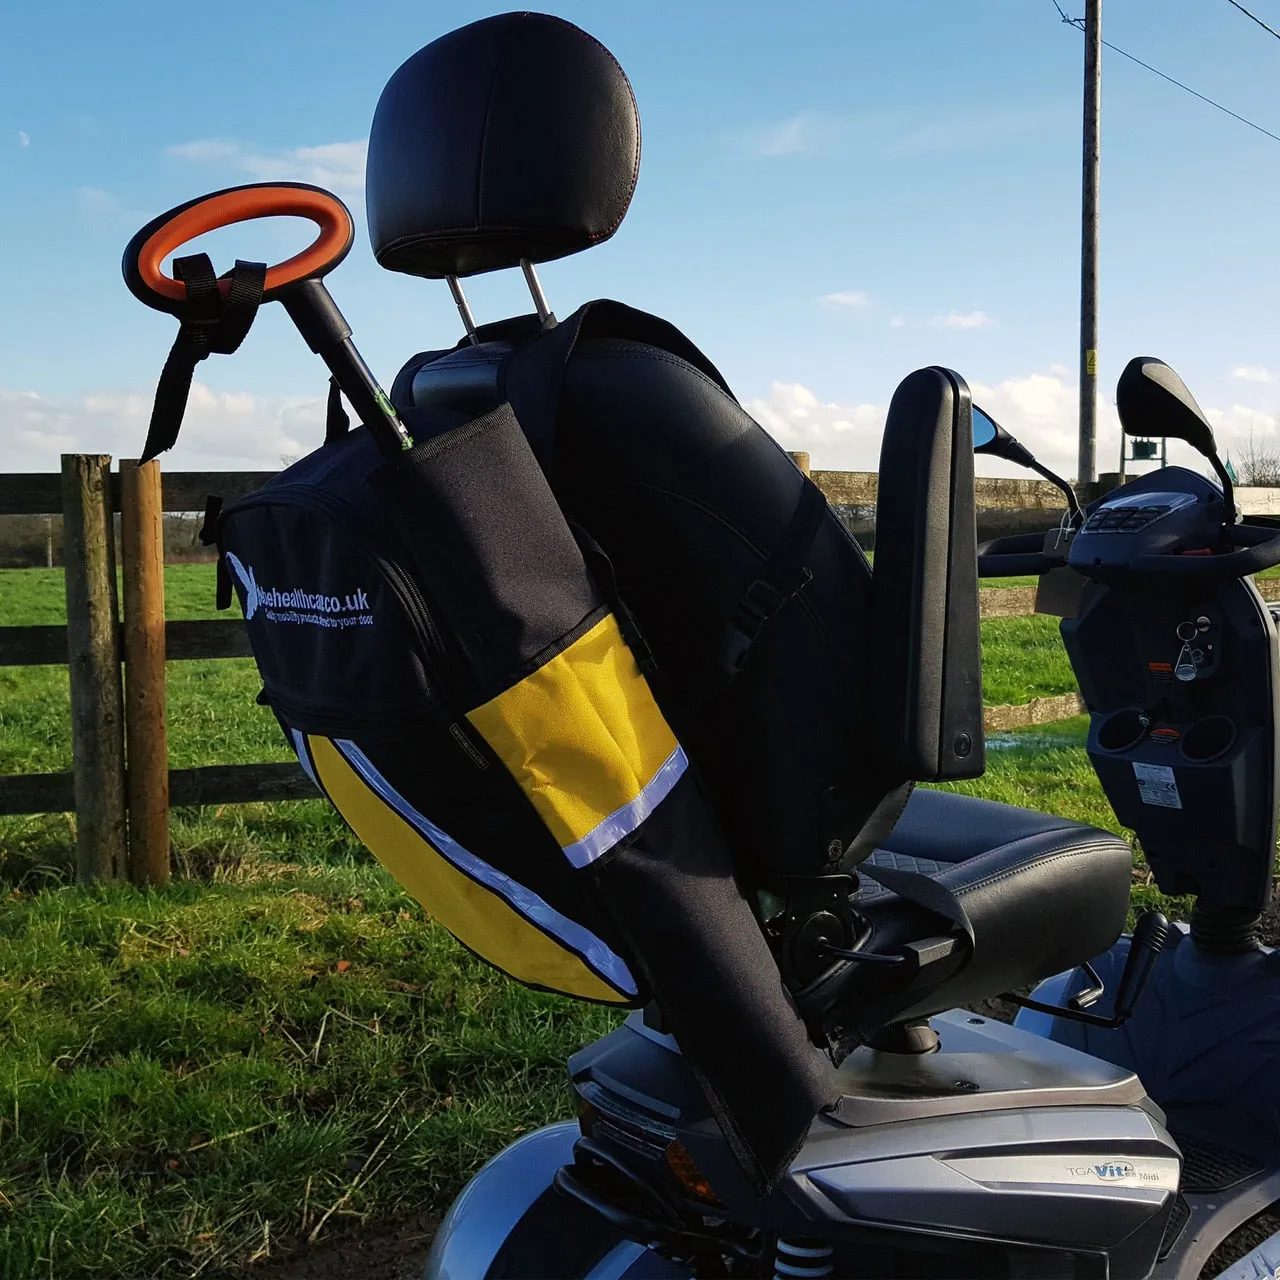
122 813
121 787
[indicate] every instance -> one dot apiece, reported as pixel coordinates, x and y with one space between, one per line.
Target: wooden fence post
147 754
93 658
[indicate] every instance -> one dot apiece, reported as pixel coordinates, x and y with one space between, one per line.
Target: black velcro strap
211 322
212 518
782 577
336 422
222 599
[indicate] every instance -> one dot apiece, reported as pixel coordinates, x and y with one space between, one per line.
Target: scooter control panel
1136 511
1150 516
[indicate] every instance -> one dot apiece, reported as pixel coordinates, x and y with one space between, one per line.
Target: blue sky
830 196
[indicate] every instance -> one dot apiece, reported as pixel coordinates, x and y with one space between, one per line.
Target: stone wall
858 489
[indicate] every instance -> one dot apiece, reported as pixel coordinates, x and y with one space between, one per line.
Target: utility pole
1087 466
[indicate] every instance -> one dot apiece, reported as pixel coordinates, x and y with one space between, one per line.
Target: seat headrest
513 137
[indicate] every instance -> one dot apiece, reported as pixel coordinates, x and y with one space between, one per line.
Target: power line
1255 18
1078 23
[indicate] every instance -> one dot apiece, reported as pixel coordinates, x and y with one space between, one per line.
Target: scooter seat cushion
1042 893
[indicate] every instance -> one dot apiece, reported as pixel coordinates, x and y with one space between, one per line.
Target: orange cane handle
161 236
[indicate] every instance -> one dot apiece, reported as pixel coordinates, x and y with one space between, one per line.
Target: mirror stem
1073 503
1228 490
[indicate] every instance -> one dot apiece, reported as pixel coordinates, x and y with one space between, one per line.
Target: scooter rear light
685 1169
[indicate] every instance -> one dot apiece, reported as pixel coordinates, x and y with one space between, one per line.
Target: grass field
198 1079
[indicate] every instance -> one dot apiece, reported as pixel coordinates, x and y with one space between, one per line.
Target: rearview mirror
1153 401
985 430
991 438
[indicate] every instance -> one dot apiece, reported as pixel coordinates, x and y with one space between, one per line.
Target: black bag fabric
454 678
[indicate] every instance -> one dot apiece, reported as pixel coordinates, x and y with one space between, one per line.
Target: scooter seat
1042 894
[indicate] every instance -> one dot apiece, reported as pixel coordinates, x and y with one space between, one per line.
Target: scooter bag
453 678
456 687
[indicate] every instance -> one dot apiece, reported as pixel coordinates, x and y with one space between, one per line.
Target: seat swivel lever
1149 937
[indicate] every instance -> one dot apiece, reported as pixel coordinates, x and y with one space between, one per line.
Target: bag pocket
480 863
552 686
360 671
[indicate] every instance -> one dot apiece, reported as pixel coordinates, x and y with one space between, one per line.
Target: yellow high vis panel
479 916
586 741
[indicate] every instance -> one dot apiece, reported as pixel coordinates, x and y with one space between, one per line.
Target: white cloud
222 431
234 430
1040 409
339 165
24 138
896 134
897 322
205 150
837 436
952 132
1241 430
104 209
1043 411
805 131
854 298
962 320
1252 373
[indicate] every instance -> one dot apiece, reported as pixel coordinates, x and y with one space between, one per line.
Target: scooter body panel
995 1160
1205 1040
509 1222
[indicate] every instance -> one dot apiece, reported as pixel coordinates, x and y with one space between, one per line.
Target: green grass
190 1078
37 597
194 1077
211 713
1023 658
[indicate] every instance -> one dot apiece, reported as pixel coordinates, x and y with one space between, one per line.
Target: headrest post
464 309
545 313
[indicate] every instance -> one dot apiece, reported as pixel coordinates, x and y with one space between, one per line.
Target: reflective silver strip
622 822
577 938
304 757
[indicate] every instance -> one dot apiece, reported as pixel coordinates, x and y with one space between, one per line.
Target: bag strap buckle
761 601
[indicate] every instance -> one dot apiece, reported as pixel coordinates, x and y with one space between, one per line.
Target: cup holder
1208 738
1123 730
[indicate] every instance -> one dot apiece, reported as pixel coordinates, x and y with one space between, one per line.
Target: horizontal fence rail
184 641
26 793
38 493
186 491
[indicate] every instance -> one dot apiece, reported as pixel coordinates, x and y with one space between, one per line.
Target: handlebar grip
1234 564
1014 566
146 252
1014 556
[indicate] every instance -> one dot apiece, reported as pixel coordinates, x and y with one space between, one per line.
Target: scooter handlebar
1020 553
1023 554
146 252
